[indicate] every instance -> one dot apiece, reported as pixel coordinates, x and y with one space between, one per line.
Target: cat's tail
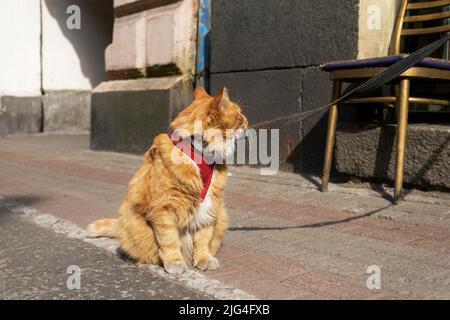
103 228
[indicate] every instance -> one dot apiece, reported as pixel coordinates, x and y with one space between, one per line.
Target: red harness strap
206 170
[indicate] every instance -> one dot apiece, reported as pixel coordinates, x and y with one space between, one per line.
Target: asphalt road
37 263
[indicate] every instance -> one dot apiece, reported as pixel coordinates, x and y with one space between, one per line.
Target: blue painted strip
203 47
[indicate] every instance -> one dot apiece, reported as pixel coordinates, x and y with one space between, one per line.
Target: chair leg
402 124
331 133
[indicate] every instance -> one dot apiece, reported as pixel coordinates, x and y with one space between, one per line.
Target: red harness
206 170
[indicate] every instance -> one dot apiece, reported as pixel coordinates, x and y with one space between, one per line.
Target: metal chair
357 70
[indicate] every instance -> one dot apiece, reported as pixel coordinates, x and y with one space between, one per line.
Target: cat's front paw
210 263
176 267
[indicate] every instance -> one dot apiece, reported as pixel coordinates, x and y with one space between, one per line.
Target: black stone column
269 52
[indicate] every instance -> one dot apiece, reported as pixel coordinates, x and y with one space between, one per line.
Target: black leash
370 85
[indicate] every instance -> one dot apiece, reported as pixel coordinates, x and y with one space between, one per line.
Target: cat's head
218 120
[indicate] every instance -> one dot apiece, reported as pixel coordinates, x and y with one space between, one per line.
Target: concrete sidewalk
287 240
37 263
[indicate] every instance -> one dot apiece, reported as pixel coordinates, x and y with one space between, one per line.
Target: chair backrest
411 18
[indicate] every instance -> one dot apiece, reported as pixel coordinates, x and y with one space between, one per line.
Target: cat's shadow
124 256
313 225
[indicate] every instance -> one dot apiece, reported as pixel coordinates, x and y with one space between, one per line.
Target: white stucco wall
376 25
71 59
20 48
74 59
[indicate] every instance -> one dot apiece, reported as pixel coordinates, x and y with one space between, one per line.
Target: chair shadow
430 162
310 179
313 225
385 148
385 151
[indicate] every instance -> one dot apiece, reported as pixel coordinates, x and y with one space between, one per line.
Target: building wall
152 39
74 59
269 52
376 26
71 59
150 66
48 70
20 66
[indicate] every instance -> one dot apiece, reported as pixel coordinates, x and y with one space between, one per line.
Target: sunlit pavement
287 240
37 263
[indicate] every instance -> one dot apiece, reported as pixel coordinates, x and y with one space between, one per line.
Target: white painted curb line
190 278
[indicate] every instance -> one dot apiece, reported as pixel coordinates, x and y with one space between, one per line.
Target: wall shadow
9 203
97 18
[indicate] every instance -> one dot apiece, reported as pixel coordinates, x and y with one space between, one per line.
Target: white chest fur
204 215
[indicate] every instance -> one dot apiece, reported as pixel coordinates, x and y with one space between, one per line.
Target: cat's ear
200 93
222 99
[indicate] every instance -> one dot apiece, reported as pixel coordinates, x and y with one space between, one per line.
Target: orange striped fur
160 219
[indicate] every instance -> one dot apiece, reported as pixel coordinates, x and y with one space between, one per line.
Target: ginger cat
164 219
